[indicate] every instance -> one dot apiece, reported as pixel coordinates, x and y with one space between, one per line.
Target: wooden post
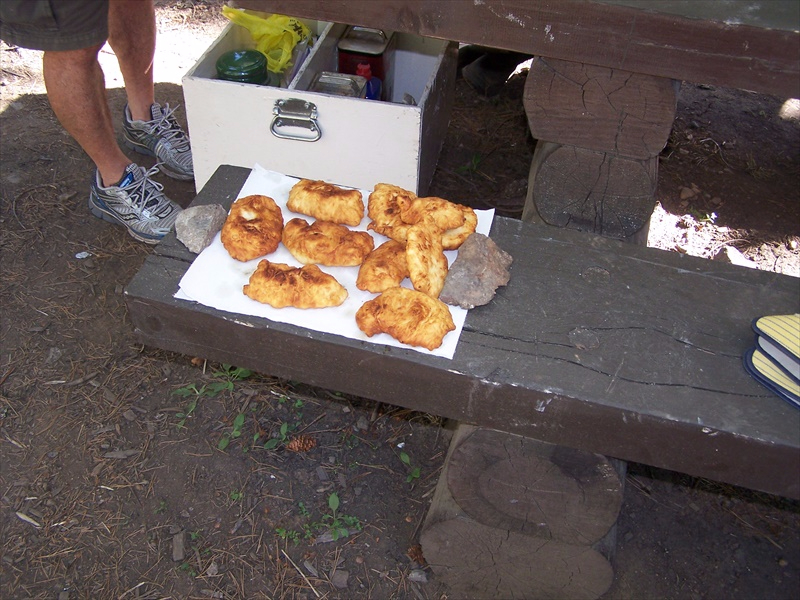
599 133
609 110
526 486
477 556
591 191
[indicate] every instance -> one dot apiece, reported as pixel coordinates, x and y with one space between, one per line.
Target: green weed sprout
414 471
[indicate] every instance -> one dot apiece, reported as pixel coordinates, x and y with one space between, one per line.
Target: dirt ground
133 473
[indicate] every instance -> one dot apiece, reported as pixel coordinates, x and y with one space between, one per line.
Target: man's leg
132 36
149 128
76 90
120 192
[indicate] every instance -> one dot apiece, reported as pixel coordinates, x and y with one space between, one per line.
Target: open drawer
348 141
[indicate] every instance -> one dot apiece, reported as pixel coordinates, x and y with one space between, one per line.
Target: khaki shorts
54 24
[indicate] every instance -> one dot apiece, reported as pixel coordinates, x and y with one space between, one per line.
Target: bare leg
77 92
132 36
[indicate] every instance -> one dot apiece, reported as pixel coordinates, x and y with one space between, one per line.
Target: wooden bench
596 348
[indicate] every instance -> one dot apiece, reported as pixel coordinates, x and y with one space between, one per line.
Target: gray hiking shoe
163 138
136 202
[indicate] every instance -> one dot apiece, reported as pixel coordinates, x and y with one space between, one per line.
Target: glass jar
245 66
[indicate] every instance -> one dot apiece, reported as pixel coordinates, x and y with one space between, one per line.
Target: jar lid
339 84
365 40
242 65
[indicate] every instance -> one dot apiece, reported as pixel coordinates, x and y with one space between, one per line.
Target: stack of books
774 361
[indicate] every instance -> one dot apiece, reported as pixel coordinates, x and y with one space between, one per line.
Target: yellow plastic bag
275 35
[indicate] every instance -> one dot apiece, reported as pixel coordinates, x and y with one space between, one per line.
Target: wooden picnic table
596 348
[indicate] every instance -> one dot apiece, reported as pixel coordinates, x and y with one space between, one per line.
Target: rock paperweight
197 225
479 269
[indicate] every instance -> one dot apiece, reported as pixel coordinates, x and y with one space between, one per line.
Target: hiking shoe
136 202
161 137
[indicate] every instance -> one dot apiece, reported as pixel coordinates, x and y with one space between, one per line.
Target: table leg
513 517
599 133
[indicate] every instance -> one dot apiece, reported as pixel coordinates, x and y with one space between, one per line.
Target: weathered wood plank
601 109
773 14
595 344
702 50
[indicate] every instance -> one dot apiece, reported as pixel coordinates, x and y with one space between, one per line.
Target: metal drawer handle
295 119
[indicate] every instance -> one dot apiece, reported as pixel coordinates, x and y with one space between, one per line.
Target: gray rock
179 546
479 269
197 225
339 579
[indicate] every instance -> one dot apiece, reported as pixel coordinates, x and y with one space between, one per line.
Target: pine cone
301 443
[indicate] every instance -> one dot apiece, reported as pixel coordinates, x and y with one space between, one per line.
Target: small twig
310 424
764 535
721 156
136 587
81 380
14 73
36 524
303 575
6 375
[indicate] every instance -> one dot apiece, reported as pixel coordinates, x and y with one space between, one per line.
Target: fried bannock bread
281 285
253 228
453 238
385 205
408 316
435 211
326 243
384 268
427 264
393 211
326 202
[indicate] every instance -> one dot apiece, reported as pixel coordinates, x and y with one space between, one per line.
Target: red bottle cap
364 69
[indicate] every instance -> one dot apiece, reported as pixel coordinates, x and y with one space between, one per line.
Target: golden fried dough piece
439 212
280 286
326 243
408 316
427 264
453 238
326 202
385 206
384 268
253 228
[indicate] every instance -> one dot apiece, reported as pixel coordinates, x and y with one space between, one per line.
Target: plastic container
363 44
245 66
373 88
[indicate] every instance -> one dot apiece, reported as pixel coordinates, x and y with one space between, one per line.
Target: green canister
245 66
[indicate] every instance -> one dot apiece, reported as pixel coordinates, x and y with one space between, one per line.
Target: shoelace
168 128
149 196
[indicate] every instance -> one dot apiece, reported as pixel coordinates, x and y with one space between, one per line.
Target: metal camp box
349 141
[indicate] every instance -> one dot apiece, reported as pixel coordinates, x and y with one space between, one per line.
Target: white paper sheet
215 279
